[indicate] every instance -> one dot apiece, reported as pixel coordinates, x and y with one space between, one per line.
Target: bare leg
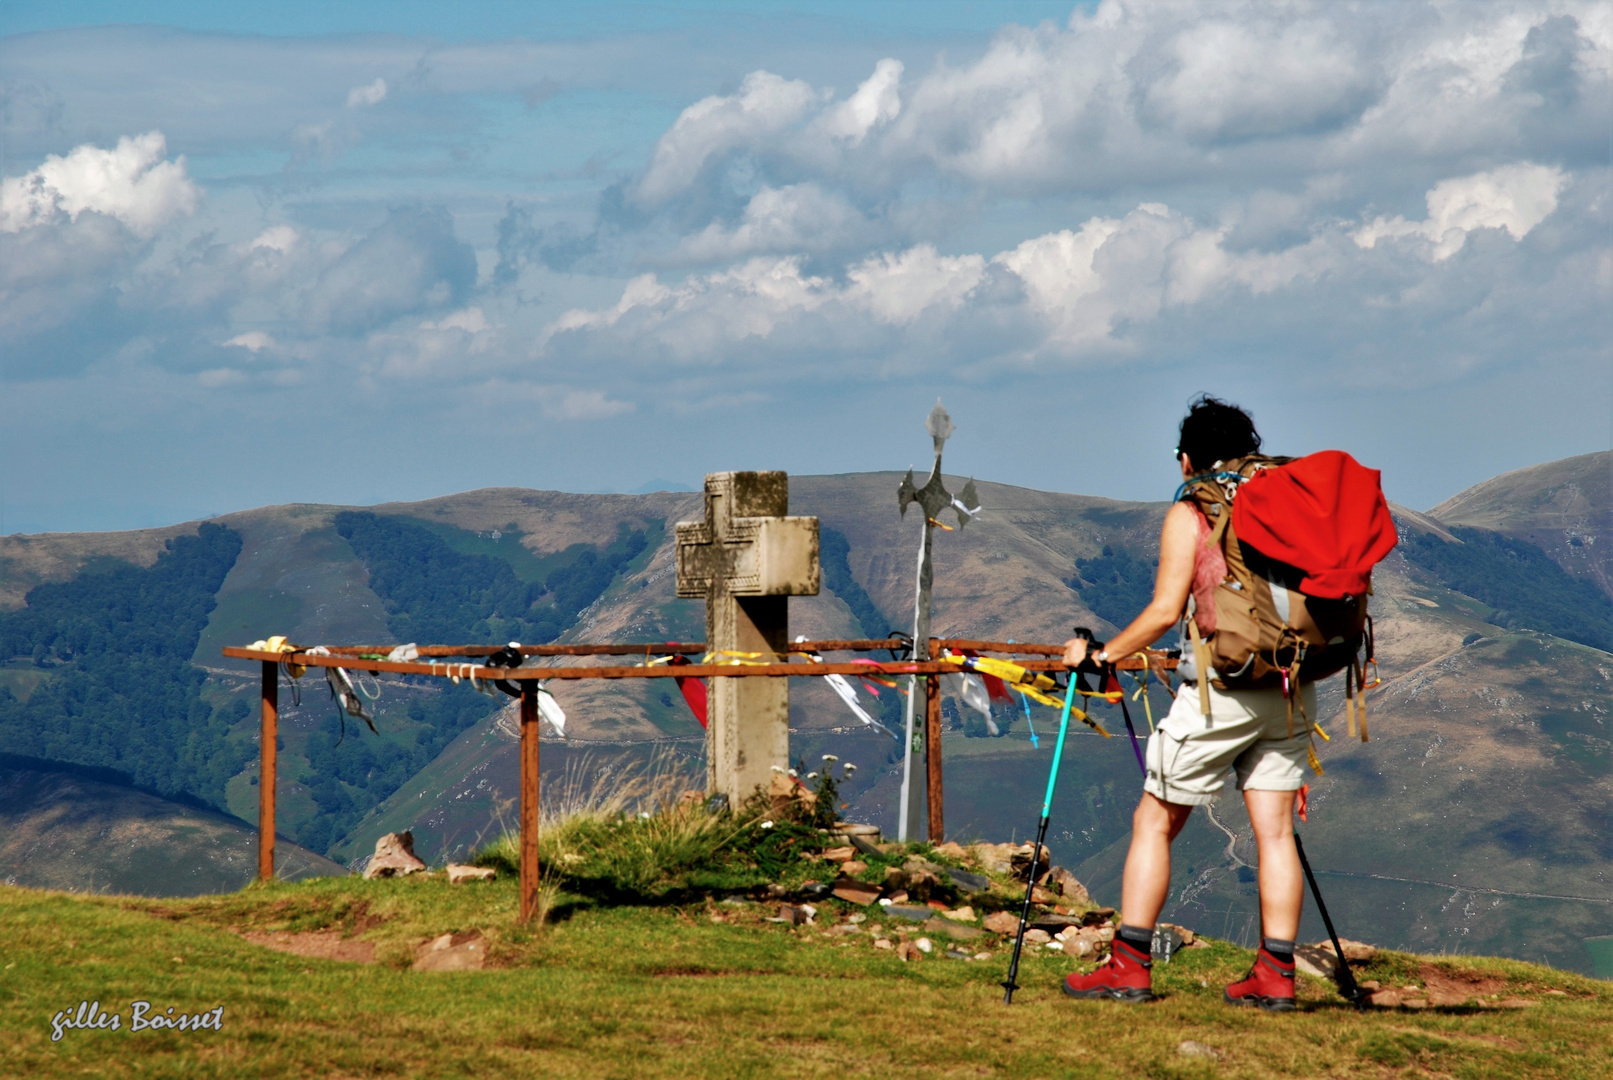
1148 863
1281 887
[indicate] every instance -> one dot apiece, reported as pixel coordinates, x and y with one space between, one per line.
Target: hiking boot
1270 985
1125 976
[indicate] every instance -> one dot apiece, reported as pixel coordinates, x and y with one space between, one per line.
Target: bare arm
1171 584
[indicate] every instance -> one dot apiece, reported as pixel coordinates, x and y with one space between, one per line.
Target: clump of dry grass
632 833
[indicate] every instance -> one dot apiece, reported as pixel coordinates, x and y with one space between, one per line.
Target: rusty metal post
932 757
530 789
268 739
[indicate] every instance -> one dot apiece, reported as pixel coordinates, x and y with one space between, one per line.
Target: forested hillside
435 594
118 690
1525 586
98 668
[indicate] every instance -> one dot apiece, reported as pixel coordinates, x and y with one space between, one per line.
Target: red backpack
1300 537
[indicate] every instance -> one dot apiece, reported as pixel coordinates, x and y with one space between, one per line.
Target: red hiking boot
1125 976
1270 985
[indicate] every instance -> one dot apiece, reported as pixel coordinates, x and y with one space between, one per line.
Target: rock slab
1069 887
394 857
451 952
972 882
853 891
942 927
1356 952
1316 962
1001 922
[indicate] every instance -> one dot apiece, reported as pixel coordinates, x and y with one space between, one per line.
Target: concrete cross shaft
932 498
746 559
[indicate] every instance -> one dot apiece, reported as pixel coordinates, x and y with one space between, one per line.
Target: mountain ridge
1565 507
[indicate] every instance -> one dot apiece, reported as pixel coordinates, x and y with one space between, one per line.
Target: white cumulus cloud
1240 79
281 238
899 288
1059 294
372 94
253 341
1515 198
765 103
1140 95
131 182
796 217
877 101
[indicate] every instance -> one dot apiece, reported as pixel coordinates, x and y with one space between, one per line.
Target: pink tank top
1209 570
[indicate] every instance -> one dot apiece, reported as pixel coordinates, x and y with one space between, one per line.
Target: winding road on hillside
1453 887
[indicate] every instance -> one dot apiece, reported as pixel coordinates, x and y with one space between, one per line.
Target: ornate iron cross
932 498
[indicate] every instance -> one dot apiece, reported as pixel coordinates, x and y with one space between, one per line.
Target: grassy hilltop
676 942
702 988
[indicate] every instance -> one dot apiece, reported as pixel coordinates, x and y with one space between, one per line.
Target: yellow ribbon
730 656
1142 691
1031 684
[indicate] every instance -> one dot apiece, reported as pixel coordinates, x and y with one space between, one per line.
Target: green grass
653 958
667 991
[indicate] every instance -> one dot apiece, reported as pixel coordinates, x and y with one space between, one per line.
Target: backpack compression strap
1201 664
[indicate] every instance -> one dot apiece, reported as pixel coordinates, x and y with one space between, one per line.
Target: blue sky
360 252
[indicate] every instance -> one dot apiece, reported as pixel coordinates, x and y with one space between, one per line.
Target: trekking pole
1126 713
1347 984
1009 986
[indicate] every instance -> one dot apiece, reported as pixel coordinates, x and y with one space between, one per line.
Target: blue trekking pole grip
1009 985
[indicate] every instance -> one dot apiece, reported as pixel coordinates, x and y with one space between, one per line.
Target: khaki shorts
1247 730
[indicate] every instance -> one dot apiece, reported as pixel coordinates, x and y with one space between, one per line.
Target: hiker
1249 730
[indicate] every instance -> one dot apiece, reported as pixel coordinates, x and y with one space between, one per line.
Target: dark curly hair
1214 430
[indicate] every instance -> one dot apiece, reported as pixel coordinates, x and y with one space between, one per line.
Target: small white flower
830 757
812 776
793 772
767 825
777 769
851 768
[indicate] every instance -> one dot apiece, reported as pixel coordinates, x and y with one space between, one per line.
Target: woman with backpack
1250 731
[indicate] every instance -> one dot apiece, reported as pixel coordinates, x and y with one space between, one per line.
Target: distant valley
1474 821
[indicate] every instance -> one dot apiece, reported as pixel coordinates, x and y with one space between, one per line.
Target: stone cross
746 559
932 498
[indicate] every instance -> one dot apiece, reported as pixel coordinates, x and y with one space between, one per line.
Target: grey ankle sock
1281 948
1140 938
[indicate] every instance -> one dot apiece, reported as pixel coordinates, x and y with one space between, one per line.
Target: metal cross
932 498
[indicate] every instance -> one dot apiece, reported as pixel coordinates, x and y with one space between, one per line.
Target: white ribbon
550 710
